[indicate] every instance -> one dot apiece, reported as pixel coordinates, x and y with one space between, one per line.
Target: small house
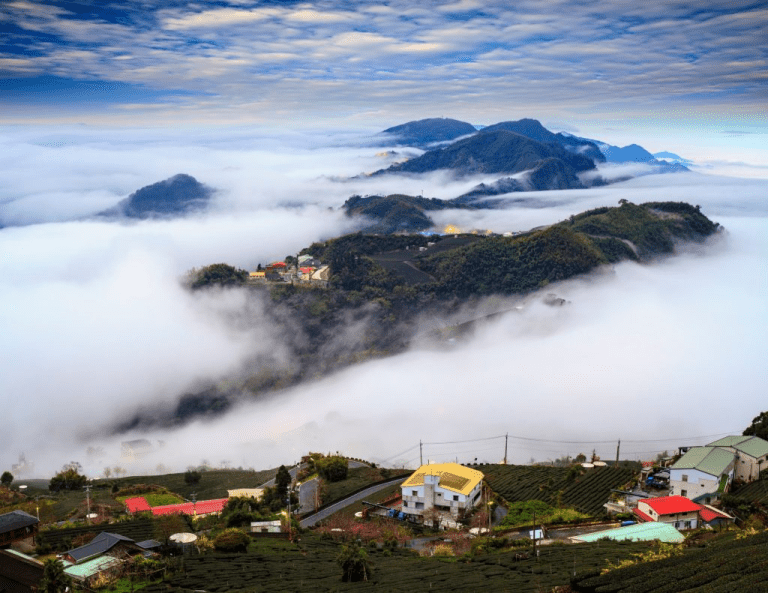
17 526
266 526
678 511
447 488
703 472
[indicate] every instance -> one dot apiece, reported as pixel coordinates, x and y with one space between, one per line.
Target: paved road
327 512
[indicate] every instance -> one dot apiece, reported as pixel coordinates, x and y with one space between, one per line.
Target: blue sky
672 71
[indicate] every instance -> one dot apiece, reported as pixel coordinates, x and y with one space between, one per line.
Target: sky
275 106
669 75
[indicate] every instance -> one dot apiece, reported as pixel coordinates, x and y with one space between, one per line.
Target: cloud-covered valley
96 325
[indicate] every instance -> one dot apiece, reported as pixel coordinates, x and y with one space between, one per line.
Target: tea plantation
312 566
562 486
727 564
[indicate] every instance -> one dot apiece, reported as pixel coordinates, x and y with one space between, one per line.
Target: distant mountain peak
176 196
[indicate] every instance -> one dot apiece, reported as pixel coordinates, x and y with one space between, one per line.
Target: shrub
333 468
231 540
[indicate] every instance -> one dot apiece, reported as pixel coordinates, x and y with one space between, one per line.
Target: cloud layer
96 325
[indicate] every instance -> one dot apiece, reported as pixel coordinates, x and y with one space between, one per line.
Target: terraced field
726 565
311 566
586 493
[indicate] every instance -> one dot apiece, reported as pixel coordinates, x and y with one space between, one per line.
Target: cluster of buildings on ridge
306 270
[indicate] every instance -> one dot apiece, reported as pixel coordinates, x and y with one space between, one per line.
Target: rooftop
710 460
100 544
87 569
670 505
137 504
202 507
642 532
751 445
453 476
16 520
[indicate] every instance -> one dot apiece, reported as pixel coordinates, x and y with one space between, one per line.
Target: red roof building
137 504
680 511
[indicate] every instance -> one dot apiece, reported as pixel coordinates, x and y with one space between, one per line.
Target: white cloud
93 314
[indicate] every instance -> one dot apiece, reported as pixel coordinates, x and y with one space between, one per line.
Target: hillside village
96 534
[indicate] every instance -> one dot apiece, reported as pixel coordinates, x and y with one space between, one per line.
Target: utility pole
421 457
194 503
506 442
617 453
88 499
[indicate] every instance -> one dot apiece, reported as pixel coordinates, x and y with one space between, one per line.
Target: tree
6 479
333 468
231 540
354 563
282 481
54 580
167 525
759 426
217 274
192 476
69 478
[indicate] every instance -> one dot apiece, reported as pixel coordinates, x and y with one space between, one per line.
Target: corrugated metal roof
710 460
642 532
16 520
671 505
90 568
453 476
100 544
729 441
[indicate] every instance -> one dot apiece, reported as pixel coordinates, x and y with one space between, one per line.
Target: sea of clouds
95 324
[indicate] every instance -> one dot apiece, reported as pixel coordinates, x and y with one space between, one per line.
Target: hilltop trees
216 274
69 478
6 479
759 426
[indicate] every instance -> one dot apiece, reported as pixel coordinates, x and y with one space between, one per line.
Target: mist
96 325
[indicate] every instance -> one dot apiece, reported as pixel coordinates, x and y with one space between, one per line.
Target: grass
357 478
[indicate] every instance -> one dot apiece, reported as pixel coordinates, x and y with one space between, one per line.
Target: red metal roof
642 515
202 507
708 514
137 504
670 505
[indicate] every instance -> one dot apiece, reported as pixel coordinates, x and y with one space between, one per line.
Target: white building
447 488
703 473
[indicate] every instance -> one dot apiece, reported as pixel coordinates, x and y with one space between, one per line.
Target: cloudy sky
669 75
273 104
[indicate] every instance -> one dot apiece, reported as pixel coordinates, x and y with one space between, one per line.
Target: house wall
417 499
697 483
748 467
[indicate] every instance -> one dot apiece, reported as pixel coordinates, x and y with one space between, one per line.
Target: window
439 493
455 497
405 503
414 492
419 505
683 493
685 477
687 525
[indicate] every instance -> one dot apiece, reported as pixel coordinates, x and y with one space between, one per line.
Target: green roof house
702 474
751 452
